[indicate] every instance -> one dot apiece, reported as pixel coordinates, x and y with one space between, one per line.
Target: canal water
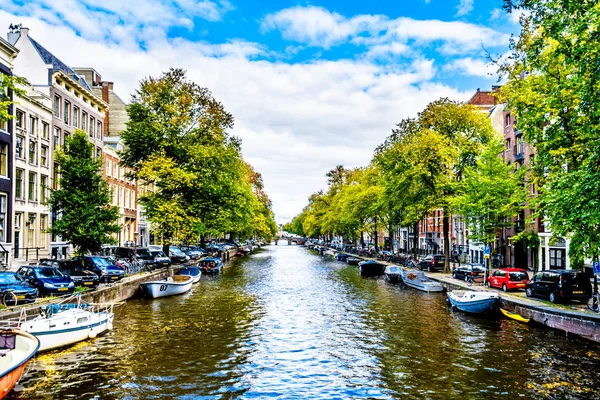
287 323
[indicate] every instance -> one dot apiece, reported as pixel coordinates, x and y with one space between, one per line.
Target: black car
432 262
475 271
105 267
139 253
560 285
46 280
23 291
81 276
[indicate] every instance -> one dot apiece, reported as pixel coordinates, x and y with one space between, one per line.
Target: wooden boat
194 272
16 349
353 260
371 268
178 284
514 316
393 273
417 280
473 302
60 325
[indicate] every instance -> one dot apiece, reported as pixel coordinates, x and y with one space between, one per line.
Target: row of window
71 115
37 232
32 151
114 171
33 194
33 126
124 196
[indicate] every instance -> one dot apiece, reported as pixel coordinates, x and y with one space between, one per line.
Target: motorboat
341 256
393 273
171 286
194 272
329 253
473 302
211 265
416 279
371 268
353 260
17 348
60 325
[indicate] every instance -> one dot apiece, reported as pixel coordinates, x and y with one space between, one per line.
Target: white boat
474 302
16 349
417 280
171 286
194 272
393 273
60 325
329 253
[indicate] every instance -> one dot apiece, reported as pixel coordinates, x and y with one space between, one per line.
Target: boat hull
369 269
481 306
194 272
160 289
418 280
10 375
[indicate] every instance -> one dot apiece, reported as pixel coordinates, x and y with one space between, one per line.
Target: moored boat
473 302
341 256
211 265
194 272
60 325
178 284
329 253
16 349
371 268
353 260
393 273
417 280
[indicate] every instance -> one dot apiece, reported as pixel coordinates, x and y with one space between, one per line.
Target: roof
57 64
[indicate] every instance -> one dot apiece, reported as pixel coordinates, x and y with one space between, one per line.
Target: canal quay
285 322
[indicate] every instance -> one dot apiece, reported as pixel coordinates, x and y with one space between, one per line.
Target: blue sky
311 84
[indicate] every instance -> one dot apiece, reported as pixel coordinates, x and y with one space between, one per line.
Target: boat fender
92 334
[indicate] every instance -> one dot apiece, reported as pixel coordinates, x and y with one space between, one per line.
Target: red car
508 279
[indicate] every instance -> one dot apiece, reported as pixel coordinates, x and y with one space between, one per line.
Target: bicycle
594 302
470 280
9 299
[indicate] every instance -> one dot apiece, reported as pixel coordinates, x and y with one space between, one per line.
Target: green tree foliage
177 143
553 89
10 84
86 218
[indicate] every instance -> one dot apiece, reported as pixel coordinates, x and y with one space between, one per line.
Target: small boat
353 260
341 256
194 272
16 349
393 273
178 284
371 268
473 302
211 265
417 280
60 325
514 316
329 253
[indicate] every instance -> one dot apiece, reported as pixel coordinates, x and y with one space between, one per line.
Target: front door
17 243
558 258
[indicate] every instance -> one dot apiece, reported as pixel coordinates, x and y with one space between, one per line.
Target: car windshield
9 278
144 253
176 251
518 276
101 262
48 273
158 254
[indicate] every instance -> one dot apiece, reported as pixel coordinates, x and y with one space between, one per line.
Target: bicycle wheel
470 281
9 299
594 303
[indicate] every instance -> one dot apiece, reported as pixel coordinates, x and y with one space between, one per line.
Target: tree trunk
390 237
362 239
375 236
446 227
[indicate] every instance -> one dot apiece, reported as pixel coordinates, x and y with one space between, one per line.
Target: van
560 285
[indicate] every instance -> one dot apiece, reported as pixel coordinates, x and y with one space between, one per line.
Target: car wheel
466 278
504 288
529 292
430 269
553 298
488 284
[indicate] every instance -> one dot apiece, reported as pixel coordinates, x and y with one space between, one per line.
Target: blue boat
371 268
194 272
211 265
473 302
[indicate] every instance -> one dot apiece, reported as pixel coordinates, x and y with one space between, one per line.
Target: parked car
46 280
80 275
432 262
139 253
560 285
23 291
161 259
177 256
476 271
105 267
508 279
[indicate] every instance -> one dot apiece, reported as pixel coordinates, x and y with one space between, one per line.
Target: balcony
519 152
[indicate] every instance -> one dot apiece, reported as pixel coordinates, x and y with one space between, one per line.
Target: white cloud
464 7
473 67
296 121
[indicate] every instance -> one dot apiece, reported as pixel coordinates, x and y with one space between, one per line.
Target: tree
86 218
9 85
553 89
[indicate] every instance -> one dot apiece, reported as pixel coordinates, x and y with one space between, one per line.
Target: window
56 138
92 126
32 152
20 119
507 119
44 155
67 113
57 106
108 168
19 144
99 130
98 152
2 217
19 192
32 125
31 230
507 144
76 117
55 176
43 229
32 195
45 131
3 125
84 121
4 159
43 188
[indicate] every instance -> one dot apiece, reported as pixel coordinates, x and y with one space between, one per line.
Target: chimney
15 32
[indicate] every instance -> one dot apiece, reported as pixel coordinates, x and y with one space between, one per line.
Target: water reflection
288 323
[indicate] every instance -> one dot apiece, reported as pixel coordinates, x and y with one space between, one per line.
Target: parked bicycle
9 299
594 302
